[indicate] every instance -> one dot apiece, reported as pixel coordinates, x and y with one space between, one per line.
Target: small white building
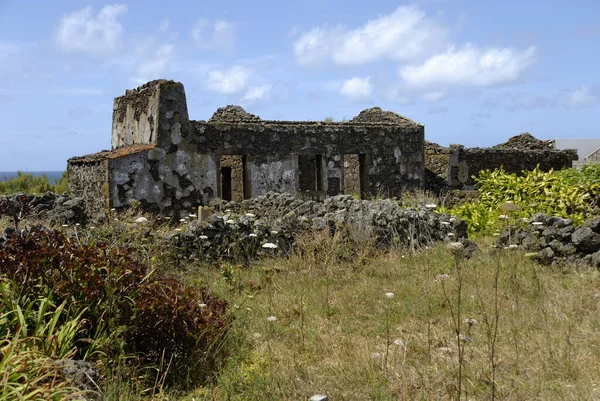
588 149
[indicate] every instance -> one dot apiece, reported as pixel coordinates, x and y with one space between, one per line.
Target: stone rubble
55 209
556 240
241 228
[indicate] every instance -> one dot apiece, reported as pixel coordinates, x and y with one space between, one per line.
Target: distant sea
53 176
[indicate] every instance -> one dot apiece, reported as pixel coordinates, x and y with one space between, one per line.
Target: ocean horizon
53 176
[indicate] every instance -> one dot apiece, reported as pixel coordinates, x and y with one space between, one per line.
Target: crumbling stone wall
467 162
169 163
453 167
437 159
154 113
88 180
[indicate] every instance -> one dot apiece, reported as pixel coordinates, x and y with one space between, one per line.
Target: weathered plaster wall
154 113
162 182
466 162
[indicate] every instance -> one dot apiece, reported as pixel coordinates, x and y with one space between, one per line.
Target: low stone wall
242 228
557 241
468 162
54 209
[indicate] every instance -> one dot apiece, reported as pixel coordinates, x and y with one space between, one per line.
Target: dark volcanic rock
586 240
232 113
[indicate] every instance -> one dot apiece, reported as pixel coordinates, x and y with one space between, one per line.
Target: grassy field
384 327
356 323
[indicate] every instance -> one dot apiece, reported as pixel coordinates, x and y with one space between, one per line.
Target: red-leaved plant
144 313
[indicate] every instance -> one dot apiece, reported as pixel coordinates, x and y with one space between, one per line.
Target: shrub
567 193
29 184
142 311
17 208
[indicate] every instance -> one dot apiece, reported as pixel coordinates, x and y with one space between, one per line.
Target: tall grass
526 332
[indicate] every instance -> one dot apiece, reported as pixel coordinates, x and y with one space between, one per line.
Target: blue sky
473 72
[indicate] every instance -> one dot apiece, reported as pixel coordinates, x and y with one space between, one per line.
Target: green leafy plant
566 193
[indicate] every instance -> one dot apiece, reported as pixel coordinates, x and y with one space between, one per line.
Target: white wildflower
471 322
465 338
503 217
252 235
193 216
230 221
431 206
141 220
274 232
178 229
390 295
269 245
537 223
445 223
250 215
65 225
202 305
442 277
203 237
182 220
271 319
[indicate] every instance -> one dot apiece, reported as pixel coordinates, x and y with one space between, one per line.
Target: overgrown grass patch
303 334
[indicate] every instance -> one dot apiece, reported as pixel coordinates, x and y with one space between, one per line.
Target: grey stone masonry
170 164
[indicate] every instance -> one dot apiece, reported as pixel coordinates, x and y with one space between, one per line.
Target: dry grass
332 315
330 334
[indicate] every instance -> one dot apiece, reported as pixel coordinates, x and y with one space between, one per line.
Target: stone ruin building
171 164
455 166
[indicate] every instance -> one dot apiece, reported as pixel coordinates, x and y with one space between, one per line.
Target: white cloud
357 89
256 93
469 66
218 36
228 81
433 96
82 31
405 34
582 97
154 64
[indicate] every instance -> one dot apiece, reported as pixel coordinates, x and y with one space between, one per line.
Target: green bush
567 193
141 311
29 184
